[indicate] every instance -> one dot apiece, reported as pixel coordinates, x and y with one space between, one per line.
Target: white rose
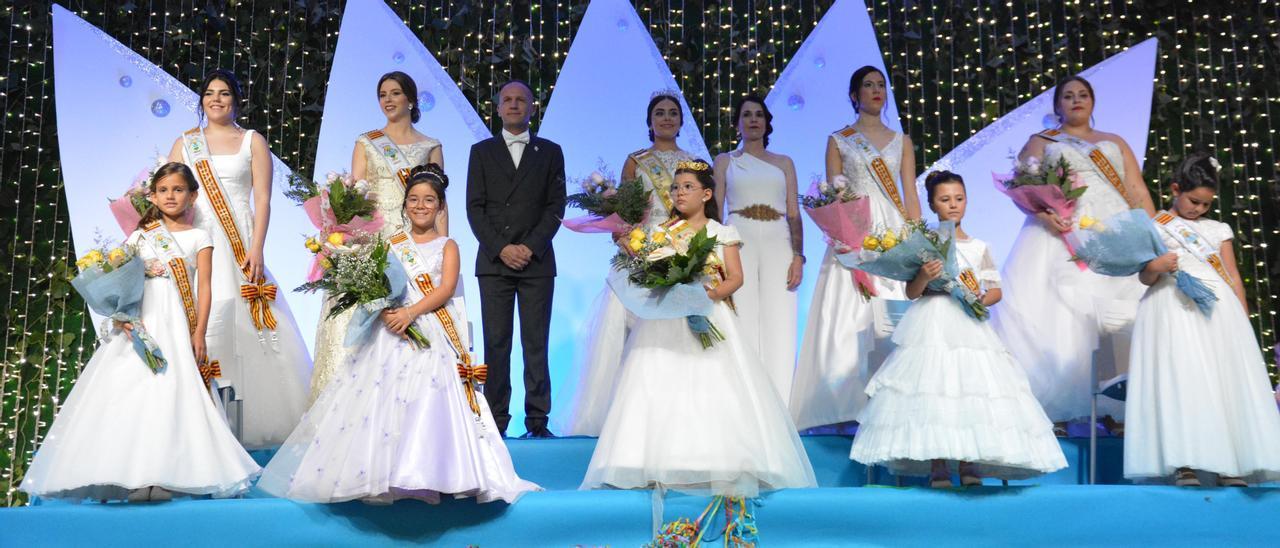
362 186
840 181
597 178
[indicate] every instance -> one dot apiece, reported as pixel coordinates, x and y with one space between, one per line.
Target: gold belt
758 212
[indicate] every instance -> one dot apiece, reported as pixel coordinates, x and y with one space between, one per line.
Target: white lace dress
1054 315
847 336
269 370
329 354
583 402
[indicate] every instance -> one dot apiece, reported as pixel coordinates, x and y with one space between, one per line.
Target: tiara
693 165
665 92
430 170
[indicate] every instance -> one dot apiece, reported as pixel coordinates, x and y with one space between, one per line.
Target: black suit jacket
506 205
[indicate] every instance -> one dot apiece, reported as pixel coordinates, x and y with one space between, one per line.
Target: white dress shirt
515 144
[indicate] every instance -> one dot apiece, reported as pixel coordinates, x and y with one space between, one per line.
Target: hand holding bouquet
661 275
111 283
612 207
364 276
899 256
844 218
1039 188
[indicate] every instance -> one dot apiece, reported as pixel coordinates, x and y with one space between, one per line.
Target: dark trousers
498 298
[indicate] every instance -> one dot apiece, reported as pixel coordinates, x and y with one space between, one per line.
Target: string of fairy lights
954 67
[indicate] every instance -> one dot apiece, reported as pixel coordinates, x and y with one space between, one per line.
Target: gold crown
693 165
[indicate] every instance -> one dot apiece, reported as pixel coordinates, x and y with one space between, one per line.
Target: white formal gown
1054 315
270 369
704 421
951 391
124 427
766 308
1198 392
847 336
330 354
396 424
583 402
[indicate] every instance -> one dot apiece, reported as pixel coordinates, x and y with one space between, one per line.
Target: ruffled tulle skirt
1198 391
695 420
589 387
124 427
395 424
950 391
1054 316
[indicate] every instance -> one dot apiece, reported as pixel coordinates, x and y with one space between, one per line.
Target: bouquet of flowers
111 283
364 277
1124 244
611 206
342 209
129 208
899 256
660 275
844 217
1035 187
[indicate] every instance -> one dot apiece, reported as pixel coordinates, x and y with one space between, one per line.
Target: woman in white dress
847 334
1055 314
381 157
589 389
694 419
402 421
758 190
251 329
1199 398
950 392
126 431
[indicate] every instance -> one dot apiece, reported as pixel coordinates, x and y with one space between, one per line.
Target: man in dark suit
515 200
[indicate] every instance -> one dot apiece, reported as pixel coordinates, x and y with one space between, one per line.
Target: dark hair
708 182
855 82
1057 91
426 174
227 77
653 103
408 86
768 116
153 213
937 178
1195 171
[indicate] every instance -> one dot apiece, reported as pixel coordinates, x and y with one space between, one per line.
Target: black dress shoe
537 432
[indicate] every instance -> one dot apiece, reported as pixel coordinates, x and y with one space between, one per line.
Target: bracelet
801 255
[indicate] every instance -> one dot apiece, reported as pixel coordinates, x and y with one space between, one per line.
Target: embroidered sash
391 153
967 276
1185 233
1095 155
658 174
257 293
416 266
875 165
166 246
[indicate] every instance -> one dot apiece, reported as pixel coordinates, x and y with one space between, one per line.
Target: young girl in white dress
125 431
381 157
255 338
1199 398
400 421
950 391
758 190
1056 314
590 384
847 334
694 419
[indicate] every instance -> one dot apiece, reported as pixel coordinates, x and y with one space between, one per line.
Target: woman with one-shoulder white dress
378 157
268 367
758 189
590 384
1056 314
848 335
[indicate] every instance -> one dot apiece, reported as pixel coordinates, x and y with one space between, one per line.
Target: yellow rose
325 263
83 264
636 245
1087 221
312 245
659 237
116 257
637 234
870 243
889 235
888 241
94 256
337 238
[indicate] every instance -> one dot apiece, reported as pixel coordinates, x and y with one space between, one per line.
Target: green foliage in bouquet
668 269
356 277
630 202
1057 173
300 189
